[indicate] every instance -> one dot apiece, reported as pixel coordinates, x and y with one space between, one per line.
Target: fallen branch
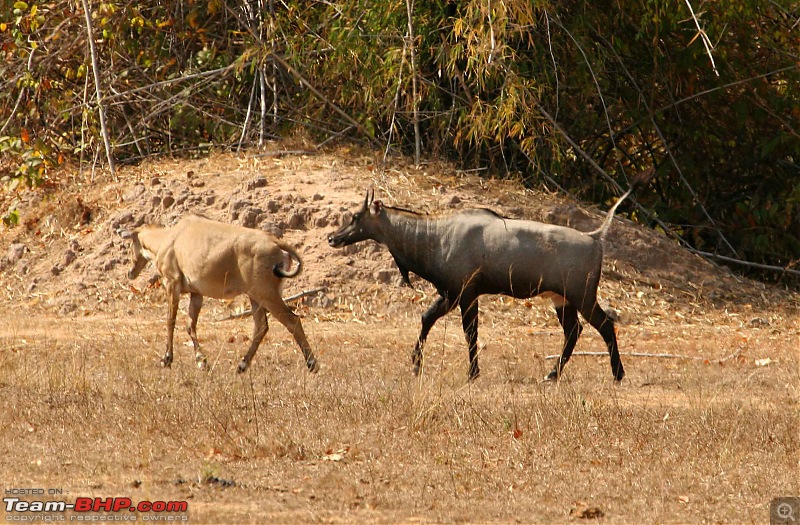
290 299
745 263
282 153
645 354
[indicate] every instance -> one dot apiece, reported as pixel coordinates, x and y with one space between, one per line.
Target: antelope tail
278 269
639 180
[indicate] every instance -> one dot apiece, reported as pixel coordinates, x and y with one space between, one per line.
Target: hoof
473 375
619 376
202 364
242 367
166 363
416 370
551 377
312 365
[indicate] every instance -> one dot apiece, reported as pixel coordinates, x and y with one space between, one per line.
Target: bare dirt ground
709 437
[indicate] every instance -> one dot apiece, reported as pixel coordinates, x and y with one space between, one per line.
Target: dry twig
646 354
291 298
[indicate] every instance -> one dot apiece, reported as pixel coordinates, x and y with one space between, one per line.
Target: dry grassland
708 438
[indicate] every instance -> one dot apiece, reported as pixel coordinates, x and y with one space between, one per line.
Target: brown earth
706 435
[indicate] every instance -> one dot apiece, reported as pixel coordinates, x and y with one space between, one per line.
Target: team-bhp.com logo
94 509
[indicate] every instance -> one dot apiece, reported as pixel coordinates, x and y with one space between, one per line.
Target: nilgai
475 252
207 258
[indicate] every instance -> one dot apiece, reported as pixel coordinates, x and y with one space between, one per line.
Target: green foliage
630 82
11 218
32 161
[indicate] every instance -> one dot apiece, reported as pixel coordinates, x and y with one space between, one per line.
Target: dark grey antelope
475 252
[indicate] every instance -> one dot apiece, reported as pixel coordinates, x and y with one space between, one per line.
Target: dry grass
86 408
679 441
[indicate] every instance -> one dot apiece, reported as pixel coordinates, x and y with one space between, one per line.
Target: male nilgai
207 258
476 252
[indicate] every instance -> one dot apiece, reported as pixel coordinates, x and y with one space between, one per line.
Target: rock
317 197
109 264
272 228
155 181
67 308
68 257
296 221
454 201
121 219
321 222
167 201
182 197
384 276
15 252
258 182
249 217
273 206
134 193
235 207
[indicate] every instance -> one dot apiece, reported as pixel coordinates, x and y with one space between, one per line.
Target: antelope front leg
439 308
568 317
260 327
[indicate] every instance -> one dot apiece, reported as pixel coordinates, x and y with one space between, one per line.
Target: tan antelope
206 258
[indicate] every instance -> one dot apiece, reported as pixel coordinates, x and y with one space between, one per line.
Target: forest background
574 95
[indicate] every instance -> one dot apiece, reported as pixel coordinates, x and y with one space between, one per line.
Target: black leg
568 317
599 319
440 307
469 321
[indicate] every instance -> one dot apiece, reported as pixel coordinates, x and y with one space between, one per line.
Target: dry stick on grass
645 354
283 152
100 109
291 298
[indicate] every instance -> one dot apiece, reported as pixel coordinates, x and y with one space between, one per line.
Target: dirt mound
71 252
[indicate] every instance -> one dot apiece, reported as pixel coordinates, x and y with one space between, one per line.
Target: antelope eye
356 217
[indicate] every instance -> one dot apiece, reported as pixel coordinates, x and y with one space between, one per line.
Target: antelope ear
376 207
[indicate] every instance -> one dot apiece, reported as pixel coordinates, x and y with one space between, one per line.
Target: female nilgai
207 258
476 252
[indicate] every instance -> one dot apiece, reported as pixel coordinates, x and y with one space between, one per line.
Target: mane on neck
432 216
